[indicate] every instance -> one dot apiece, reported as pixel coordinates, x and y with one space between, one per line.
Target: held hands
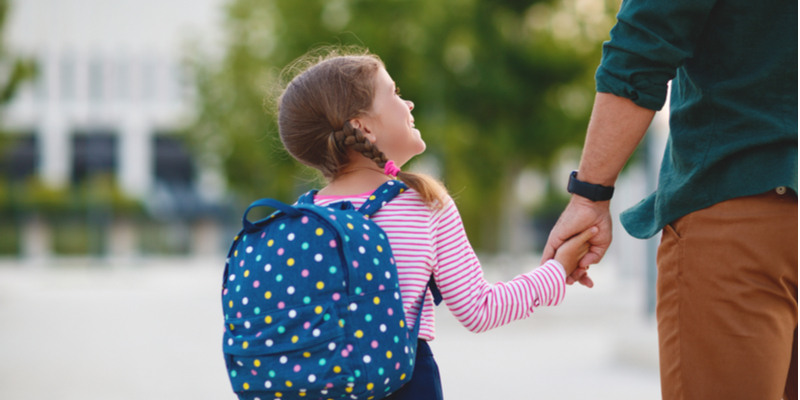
569 253
579 216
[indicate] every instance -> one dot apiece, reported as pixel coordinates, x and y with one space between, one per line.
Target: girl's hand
571 251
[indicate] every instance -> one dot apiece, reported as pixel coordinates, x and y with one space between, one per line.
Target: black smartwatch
588 190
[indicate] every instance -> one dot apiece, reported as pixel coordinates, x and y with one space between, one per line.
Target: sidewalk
86 330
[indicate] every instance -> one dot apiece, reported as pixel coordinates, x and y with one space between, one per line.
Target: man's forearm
615 129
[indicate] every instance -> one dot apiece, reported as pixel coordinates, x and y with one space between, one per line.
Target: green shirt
733 104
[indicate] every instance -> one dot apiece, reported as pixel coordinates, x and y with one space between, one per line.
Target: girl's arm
476 303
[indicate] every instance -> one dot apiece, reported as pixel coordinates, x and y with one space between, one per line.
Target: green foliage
79 215
16 70
9 238
99 193
74 237
498 86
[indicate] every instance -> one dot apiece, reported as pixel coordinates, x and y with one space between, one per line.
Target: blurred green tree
14 71
499 85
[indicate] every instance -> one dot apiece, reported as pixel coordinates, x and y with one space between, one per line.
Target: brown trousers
727 301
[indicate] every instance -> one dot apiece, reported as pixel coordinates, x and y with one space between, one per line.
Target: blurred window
96 78
173 161
149 80
93 153
123 80
20 157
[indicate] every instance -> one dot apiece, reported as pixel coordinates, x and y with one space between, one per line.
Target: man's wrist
595 177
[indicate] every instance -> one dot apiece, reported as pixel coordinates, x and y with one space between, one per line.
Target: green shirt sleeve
651 40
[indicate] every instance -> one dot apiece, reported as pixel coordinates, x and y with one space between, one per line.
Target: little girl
335 116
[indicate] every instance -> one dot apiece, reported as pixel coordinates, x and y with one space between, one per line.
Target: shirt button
781 189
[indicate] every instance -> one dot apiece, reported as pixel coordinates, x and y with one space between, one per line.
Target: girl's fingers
587 234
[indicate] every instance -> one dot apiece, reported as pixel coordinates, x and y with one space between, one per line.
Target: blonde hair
331 87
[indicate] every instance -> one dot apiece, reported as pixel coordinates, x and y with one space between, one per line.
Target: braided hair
355 139
316 106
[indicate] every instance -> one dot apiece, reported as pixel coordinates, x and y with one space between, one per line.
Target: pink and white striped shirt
426 242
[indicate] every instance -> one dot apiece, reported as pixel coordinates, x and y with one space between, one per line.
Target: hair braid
353 137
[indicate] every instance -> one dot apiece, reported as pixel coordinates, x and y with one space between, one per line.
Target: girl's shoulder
412 199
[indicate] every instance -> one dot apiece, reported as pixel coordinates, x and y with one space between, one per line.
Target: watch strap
588 190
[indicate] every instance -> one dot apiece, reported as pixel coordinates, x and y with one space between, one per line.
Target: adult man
727 191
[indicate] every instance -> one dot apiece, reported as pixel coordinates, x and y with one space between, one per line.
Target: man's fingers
584 250
587 260
578 274
581 276
553 243
594 256
549 252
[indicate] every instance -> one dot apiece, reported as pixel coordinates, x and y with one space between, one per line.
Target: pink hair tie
391 169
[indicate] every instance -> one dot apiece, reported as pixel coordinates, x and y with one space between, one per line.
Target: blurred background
134 133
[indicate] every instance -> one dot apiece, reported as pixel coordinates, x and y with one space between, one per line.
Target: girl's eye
397 90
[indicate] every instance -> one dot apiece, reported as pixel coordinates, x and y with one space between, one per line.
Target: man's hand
580 215
571 251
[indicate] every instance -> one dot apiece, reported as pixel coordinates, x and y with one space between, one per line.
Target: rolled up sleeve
650 41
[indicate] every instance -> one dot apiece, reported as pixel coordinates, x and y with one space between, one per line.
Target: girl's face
390 125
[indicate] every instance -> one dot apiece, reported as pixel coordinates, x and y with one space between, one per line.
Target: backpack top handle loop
307 198
287 209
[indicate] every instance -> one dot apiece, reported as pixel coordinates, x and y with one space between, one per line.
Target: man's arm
651 39
616 127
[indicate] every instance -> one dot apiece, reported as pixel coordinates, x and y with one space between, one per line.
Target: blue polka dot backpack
312 304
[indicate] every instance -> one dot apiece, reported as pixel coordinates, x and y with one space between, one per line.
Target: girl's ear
361 125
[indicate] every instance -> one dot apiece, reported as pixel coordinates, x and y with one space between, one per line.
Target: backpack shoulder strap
437 294
382 195
307 198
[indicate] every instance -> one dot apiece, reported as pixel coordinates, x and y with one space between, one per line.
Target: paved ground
85 330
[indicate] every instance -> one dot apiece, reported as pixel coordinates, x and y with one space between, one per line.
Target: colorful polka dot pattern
312 306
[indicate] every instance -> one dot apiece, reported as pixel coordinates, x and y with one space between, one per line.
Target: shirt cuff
642 93
549 283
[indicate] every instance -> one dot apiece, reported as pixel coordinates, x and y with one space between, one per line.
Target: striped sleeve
426 242
476 303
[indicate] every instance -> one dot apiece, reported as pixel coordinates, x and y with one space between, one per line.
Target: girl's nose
410 105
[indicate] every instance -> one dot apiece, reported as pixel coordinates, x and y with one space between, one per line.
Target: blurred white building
110 87
110 92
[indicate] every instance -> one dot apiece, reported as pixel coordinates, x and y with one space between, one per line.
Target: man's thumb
548 253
